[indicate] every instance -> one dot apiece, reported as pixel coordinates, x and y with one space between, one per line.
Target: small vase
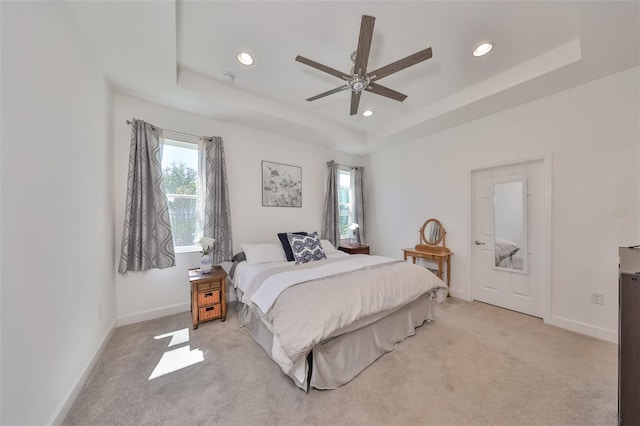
206 263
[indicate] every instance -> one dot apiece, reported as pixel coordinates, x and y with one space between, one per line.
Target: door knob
479 243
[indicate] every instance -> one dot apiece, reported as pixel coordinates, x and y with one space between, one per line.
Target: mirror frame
525 236
423 239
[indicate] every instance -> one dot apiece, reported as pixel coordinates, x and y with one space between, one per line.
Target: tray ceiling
175 53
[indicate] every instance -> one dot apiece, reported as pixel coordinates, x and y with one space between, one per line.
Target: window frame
184 143
350 218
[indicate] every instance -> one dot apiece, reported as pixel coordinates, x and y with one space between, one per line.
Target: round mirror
432 232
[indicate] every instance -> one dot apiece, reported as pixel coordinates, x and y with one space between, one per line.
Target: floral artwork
281 185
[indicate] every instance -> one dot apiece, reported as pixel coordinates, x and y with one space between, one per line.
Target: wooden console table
437 254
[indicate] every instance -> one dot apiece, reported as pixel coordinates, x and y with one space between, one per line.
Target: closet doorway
510 236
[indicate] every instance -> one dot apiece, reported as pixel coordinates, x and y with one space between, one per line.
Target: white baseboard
583 328
154 313
460 294
65 406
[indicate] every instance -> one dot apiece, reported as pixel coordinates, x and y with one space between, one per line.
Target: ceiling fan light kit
358 80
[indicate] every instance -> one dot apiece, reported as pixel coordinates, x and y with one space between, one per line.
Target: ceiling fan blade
355 101
329 92
385 91
400 64
364 45
321 67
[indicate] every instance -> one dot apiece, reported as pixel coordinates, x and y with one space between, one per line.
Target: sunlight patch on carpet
176 359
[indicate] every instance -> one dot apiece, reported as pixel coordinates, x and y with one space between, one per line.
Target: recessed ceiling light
245 59
367 113
483 49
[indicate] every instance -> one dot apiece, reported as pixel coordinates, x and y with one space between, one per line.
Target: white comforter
327 296
271 288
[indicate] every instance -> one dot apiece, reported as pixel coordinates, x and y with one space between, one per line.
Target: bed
326 320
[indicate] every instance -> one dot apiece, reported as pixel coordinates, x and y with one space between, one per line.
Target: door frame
546 223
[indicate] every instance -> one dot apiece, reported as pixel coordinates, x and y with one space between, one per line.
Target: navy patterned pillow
286 245
306 248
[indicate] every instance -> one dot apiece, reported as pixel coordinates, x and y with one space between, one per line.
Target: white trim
547 172
187 249
459 294
180 140
547 224
63 410
583 328
154 313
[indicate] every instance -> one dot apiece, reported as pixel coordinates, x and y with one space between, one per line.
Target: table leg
194 308
440 267
223 302
449 275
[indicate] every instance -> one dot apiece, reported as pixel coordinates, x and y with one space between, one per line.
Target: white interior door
518 287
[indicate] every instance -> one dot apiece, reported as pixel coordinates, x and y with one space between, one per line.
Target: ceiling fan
359 80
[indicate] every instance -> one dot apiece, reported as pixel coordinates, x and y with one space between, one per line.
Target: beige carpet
475 365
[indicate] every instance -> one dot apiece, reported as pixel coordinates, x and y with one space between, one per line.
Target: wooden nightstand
354 249
208 295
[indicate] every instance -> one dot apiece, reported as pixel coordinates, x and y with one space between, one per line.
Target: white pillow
263 253
328 247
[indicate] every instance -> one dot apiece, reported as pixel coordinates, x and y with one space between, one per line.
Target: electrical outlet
597 298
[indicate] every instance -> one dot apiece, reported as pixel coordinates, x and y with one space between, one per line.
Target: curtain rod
346 165
177 132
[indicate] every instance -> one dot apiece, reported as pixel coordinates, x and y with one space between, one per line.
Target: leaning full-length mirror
510 232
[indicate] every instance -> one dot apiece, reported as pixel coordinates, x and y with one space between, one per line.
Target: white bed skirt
342 357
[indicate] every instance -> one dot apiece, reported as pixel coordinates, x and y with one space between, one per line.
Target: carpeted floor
475 365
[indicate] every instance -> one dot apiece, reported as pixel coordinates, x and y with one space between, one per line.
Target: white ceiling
174 53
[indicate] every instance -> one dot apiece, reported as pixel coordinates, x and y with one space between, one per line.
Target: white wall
146 295
593 135
58 296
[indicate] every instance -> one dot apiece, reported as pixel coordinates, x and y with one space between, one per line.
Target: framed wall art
281 185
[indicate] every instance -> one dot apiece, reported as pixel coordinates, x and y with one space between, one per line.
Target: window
345 200
180 178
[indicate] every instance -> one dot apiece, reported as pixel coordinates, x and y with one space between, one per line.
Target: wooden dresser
629 350
208 295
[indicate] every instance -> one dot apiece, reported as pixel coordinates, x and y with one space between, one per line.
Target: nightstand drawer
209 297
209 285
209 312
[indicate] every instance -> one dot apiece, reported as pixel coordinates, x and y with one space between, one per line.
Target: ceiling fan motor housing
358 83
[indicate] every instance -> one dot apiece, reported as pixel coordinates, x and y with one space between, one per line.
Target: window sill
187 249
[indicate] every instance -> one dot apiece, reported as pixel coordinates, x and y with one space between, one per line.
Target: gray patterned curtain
358 214
146 237
331 218
216 213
